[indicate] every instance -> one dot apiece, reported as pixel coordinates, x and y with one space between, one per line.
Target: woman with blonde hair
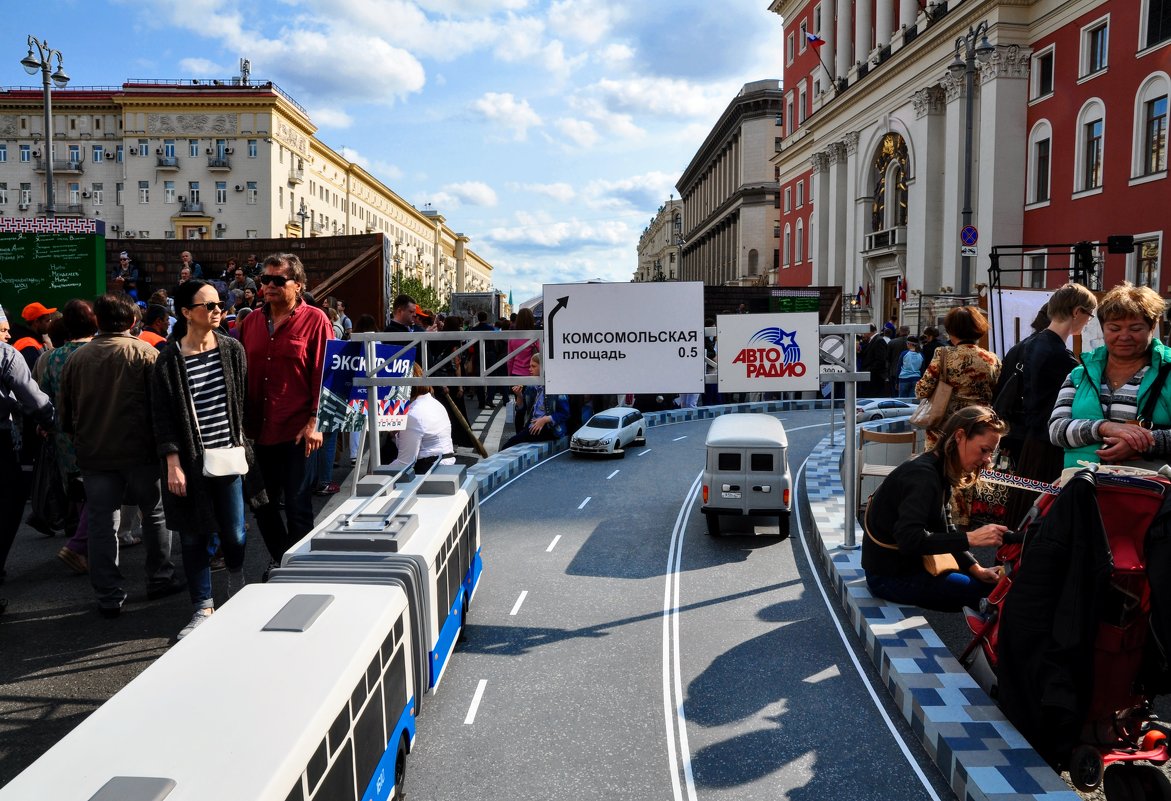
909 518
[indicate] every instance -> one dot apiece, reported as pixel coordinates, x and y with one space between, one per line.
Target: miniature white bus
747 470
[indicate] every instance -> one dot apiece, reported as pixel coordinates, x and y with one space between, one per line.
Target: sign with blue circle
969 235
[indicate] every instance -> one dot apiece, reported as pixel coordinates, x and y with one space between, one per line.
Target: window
98 193
26 194
118 188
3 193
727 461
118 154
1157 22
1090 144
817 18
74 193
221 192
221 148
250 233
143 233
1146 262
168 191
251 193
786 248
802 40
1036 264
760 462
800 194
789 49
1042 74
193 148
280 197
1040 147
251 148
193 191
1095 38
789 114
144 191
1150 126
799 243
801 105
168 234
98 153
169 148
75 154
143 148
25 154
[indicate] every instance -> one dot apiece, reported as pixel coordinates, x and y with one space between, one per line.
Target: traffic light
1084 261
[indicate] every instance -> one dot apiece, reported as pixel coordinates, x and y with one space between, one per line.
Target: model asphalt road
615 650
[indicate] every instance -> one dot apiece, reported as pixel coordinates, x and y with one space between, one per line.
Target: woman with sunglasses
198 387
909 517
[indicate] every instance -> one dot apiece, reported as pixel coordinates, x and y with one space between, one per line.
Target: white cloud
646 191
561 192
472 7
506 111
662 96
579 132
543 231
466 193
587 21
381 169
615 56
203 67
327 117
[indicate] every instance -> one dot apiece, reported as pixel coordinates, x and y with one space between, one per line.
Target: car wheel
875 416
713 525
783 526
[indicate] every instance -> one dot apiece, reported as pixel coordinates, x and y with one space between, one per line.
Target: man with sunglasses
285 346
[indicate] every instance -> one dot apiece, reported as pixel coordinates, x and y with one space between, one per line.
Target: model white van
747 470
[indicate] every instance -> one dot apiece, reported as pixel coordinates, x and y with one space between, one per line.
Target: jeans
323 461
947 593
104 490
227 500
283 467
907 387
13 496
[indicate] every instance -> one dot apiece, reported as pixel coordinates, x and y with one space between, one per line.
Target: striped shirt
205 376
1118 406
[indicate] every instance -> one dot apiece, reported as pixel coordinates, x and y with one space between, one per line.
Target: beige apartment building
661 244
211 159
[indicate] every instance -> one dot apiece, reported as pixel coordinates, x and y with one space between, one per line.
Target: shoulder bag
930 412
219 462
934 563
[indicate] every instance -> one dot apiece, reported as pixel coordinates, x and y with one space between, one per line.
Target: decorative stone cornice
850 140
1008 61
953 86
198 124
837 153
930 100
819 162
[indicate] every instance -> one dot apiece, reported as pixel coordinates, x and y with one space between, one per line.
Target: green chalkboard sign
50 268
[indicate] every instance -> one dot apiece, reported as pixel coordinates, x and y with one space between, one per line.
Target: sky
548 131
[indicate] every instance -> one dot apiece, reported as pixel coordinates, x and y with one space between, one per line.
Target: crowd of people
1111 406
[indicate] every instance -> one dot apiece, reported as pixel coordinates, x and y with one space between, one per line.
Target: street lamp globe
30 63
60 78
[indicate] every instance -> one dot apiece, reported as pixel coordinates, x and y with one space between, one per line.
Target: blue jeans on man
104 492
227 500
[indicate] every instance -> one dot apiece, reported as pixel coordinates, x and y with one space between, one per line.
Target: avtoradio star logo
772 353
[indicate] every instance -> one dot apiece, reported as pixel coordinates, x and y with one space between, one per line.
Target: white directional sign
768 352
620 338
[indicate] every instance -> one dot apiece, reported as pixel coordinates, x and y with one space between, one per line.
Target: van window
728 461
761 462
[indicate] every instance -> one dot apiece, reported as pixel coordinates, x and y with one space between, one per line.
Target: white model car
881 408
610 432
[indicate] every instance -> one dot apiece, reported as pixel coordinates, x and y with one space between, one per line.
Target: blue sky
548 132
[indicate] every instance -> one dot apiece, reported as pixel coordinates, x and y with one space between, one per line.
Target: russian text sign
623 338
343 406
768 352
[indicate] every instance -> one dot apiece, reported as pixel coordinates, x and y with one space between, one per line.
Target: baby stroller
1071 642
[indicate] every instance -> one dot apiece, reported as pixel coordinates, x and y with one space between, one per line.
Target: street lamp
31 64
303 213
966 66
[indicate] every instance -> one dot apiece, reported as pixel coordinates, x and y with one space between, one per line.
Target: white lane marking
853 658
520 600
553 544
679 438
643 453
675 717
471 716
612 475
583 503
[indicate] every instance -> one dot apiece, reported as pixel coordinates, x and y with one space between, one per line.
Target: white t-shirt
428 433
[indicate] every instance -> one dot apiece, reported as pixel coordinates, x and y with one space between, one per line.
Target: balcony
168 163
296 175
887 240
62 209
219 163
60 166
190 207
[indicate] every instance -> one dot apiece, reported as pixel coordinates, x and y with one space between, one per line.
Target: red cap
35 311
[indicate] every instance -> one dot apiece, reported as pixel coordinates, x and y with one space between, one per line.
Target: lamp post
969 48
302 213
42 61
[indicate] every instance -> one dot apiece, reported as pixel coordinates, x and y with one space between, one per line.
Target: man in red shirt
285 345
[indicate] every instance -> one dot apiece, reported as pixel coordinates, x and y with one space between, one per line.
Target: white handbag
230 461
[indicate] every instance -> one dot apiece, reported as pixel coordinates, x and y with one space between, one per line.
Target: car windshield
603 421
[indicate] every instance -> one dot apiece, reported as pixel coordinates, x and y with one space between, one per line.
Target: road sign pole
850 378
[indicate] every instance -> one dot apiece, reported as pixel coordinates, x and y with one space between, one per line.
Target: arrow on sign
562 303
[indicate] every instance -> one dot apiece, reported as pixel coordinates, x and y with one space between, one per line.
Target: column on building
819 185
858 212
928 148
461 255
834 221
883 22
828 52
863 33
908 12
845 40
953 183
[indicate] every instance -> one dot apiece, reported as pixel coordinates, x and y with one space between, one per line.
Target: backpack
1008 400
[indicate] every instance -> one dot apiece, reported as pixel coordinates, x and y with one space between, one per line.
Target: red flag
814 40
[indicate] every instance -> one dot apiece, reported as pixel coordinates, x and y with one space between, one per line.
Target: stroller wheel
1085 768
1131 782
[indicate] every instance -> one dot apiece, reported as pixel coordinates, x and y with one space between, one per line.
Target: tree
425 297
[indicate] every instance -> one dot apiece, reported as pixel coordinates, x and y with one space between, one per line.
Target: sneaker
196 619
236 581
73 560
331 488
217 563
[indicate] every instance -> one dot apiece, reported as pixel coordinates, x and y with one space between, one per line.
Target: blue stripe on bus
382 782
447 636
472 579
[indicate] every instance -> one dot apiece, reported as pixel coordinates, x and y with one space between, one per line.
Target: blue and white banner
343 406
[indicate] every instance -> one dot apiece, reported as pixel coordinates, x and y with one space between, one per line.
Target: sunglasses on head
275 280
211 305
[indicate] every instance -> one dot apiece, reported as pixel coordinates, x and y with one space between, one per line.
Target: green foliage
424 296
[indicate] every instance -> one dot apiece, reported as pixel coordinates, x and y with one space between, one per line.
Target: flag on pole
868 294
901 288
814 40
861 298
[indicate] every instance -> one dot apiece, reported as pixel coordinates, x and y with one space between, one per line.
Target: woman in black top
198 387
909 517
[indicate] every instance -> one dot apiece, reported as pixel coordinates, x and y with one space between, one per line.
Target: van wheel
400 768
783 526
713 525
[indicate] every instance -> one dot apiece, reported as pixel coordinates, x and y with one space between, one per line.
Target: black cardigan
176 432
908 510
